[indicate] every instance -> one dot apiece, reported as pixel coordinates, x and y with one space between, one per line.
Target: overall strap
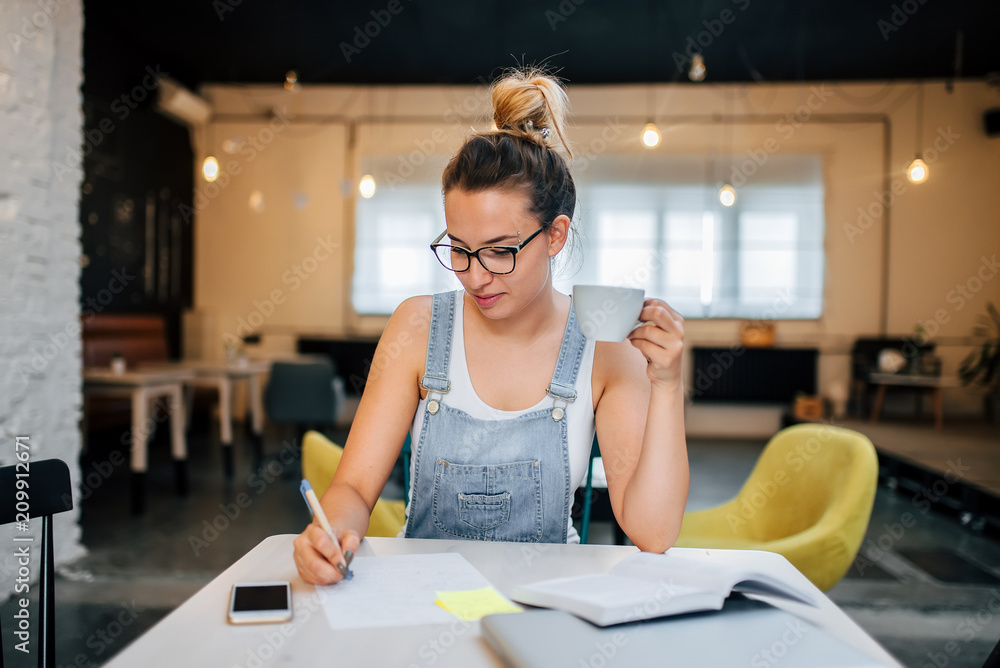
563 385
435 377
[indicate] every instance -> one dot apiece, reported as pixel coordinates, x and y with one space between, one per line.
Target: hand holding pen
340 559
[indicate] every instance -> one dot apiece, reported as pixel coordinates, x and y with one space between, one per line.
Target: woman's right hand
315 554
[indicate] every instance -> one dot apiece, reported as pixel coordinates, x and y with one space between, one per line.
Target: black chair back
29 490
301 393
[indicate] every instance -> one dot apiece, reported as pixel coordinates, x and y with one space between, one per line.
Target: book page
718 576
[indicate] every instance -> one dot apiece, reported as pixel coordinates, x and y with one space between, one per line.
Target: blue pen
317 510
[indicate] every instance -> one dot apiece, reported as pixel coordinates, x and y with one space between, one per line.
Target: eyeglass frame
513 250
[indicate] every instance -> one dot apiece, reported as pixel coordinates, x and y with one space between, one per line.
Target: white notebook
646 585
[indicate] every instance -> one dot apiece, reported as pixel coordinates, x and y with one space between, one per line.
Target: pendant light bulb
918 171
697 71
367 186
727 195
210 168
650 135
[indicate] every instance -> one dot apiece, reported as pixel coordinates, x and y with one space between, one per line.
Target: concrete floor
139 568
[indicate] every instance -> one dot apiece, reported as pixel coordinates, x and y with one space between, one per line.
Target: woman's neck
543 313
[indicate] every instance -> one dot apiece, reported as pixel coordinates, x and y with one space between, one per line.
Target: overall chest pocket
489 501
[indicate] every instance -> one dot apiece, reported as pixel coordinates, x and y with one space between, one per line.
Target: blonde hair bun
531 103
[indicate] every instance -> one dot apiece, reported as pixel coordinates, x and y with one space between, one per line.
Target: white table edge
304 596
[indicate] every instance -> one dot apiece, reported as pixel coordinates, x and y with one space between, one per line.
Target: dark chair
993 660
304 395
43 492
595 451
589 496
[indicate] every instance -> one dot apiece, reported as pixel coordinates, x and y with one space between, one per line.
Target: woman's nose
478 276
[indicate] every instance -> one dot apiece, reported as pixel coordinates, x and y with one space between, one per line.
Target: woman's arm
379 429
640 427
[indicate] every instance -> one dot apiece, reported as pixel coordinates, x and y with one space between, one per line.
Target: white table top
912 380
136 376
196 633
210 368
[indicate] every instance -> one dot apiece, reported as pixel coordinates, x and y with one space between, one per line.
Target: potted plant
982 366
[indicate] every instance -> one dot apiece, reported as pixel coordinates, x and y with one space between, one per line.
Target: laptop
745 633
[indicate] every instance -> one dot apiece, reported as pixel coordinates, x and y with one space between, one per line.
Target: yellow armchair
320 459
808 498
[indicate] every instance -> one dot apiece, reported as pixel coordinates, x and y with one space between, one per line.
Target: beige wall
939 231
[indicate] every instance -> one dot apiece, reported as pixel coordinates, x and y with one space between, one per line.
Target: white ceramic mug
607 312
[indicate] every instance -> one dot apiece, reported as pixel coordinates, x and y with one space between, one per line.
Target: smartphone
260 603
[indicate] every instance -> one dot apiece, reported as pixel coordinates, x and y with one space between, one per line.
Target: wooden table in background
142 385
222 377
932 384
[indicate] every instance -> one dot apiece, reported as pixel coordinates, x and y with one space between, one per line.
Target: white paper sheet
397 590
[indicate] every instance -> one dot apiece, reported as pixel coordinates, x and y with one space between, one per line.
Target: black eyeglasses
495 259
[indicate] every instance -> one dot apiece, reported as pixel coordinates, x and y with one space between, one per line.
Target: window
761 258
667 233
393 232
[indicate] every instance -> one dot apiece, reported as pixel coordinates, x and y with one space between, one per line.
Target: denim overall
491 479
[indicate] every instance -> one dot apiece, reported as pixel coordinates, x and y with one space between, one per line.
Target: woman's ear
557 234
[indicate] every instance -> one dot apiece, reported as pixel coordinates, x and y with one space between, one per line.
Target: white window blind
761 258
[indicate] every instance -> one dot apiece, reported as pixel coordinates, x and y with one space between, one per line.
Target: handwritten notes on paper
401 590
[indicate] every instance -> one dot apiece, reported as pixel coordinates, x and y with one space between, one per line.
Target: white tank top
462 396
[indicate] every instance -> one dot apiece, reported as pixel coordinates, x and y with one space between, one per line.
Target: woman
496 384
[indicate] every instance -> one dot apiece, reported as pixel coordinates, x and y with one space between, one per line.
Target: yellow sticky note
474 604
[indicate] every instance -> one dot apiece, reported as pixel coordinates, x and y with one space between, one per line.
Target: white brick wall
41 118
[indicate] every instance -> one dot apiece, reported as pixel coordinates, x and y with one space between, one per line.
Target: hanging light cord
920 116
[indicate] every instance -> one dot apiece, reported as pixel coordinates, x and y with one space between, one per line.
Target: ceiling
588 41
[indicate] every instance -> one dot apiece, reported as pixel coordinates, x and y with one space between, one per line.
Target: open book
646 585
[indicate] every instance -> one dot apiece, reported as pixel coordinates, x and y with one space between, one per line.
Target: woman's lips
487 300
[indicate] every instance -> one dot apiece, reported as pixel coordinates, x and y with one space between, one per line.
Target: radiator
753 375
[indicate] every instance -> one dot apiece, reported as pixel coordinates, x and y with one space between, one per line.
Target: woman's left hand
661 341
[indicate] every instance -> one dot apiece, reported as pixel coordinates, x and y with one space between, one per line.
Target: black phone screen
260 597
